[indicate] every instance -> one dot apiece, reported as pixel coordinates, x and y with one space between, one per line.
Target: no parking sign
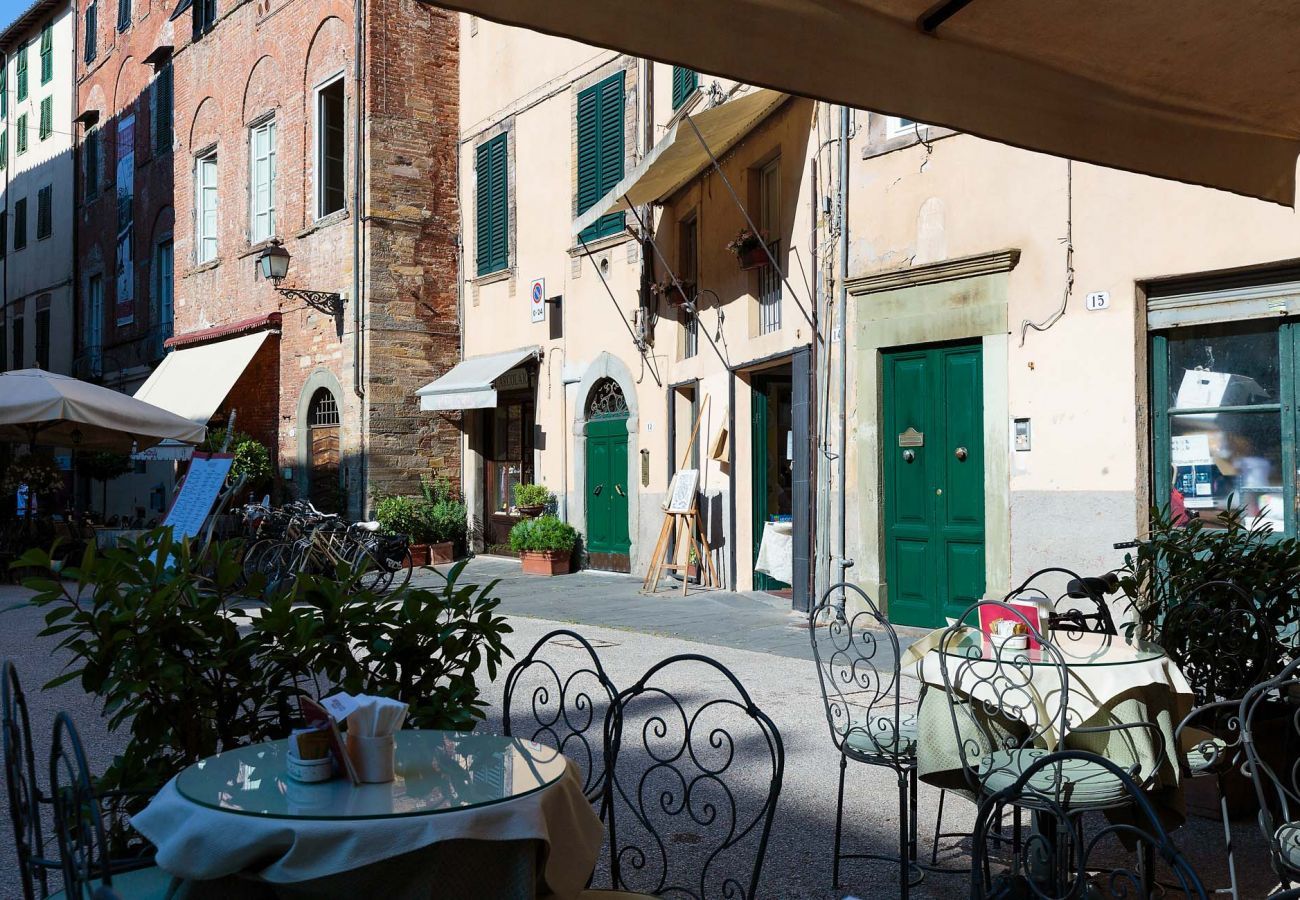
537 298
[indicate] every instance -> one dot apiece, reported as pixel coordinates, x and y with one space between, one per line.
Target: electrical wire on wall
1068 240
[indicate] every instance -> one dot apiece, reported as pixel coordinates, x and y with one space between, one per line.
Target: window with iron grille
47 118
123 15
769 223
324 409
690 334
44 212
21 129
20 223
22 73
92 26
47 53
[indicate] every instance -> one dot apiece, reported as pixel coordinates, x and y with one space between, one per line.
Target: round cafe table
467 815
1111 681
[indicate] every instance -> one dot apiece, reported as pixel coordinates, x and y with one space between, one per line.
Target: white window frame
897 126
202 239
257 233
318 149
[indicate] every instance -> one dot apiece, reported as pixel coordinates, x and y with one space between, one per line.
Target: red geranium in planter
749 249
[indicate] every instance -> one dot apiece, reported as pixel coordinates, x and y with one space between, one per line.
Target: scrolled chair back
562 706
1270 730
1089 863
20 779
695 770
83 844
1218 638
1001 701
857 659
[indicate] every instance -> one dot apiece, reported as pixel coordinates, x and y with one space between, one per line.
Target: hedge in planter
545 545
182 668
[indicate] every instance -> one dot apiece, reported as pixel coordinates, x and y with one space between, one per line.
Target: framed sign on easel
682 533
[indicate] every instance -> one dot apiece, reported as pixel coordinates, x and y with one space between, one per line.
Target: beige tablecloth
555 825
776 552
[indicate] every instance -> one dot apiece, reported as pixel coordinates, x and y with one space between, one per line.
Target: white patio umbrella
1202 91
39 407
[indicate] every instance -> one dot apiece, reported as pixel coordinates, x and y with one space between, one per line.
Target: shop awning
471 384
1194 90
679 156
193 382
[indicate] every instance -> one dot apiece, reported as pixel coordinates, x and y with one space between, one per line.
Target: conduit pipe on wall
841 362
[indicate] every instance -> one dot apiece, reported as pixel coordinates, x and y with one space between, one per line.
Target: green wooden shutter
685 81
600 151
162 104
22 72
22 133
47 118
4 149
492 206
4 93
47 53
92 24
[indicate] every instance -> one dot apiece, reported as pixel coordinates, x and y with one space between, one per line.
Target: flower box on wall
546 562
754 258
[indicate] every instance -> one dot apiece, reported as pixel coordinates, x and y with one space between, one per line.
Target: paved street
635 633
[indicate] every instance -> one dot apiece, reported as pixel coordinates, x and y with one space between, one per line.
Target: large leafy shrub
432 518
182 667
252 458
1176 565
545 533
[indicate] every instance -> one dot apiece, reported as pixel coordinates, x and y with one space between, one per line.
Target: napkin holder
373 758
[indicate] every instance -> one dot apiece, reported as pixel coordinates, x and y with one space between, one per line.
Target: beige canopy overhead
41 407
1201 91
679 156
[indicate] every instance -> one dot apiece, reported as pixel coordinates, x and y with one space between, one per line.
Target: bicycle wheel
403 572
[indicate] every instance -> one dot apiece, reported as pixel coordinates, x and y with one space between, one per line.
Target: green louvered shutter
493 206
600 151
685 81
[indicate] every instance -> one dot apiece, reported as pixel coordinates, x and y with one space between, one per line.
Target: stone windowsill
324 222
202 267
494 277
605 243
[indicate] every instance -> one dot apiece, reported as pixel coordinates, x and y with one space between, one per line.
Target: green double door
609 543
933 453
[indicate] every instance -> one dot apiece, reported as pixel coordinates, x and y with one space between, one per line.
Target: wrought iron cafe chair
88 868
1270 733
857 657
1010 707
551 700
1083 862
693 779
25 796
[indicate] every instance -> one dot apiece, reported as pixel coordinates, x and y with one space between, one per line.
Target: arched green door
609 541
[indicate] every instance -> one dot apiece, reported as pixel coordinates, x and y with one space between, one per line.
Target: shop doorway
609 542
323 423
507 461
932 442
773 441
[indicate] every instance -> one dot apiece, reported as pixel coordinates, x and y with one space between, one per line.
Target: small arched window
324 409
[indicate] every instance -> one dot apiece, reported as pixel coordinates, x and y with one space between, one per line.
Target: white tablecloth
776 552
198 842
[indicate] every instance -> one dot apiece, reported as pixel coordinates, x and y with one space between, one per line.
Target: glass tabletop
1077 649
437 771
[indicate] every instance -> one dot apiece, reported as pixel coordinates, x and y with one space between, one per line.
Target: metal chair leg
1227 840
938 827
903 831
839 820
912 817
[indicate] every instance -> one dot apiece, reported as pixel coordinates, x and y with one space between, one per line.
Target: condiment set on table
319 749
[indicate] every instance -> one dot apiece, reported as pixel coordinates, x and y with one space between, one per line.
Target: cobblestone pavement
758 639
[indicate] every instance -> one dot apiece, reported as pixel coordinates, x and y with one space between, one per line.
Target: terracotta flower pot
442 553
754 258
531 512
419 554
546 562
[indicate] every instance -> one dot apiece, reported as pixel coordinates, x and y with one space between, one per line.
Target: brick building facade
267 96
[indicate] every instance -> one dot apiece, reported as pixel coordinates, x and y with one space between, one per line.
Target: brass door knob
961 454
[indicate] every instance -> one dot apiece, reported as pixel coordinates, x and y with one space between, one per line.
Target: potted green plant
748 248
403 516
671 291
545 545
443 520
531 499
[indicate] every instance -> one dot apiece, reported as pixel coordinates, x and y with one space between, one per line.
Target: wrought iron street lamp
274 265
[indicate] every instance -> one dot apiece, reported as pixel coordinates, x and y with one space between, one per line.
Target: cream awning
471 384
1195 90
679 157
193 382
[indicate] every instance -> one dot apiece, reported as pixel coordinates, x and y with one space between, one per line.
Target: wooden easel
690 535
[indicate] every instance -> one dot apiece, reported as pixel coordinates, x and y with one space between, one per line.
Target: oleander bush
165 640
